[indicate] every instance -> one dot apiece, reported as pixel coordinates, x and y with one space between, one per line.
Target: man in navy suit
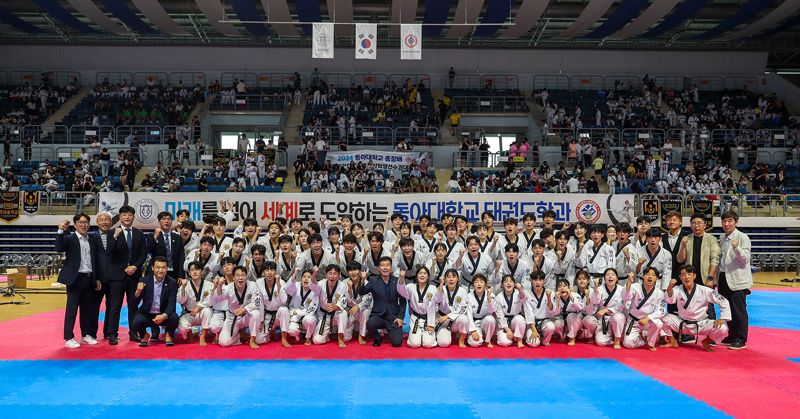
112 257
158 293
77 273
137 254
388 307
167 243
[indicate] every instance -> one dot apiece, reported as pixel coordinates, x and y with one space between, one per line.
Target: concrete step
67 107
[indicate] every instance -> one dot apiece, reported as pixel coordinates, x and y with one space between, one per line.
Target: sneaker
737 345
89 340
72 344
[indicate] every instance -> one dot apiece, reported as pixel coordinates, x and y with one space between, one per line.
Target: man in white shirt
572 185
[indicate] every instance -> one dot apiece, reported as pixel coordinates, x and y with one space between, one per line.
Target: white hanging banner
323 41
411 41
366 41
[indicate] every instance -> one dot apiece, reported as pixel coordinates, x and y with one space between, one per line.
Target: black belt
630 324
325 315
419 316
478 318
689 322
272 314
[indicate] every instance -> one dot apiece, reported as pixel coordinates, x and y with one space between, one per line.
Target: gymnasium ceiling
756 25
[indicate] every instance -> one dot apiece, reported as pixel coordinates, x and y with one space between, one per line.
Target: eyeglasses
82 222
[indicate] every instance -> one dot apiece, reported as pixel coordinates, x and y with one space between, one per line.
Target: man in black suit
112 258
137 254
671 240
77 273
158 293
388 307
167 243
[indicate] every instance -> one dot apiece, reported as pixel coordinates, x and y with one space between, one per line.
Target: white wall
214 60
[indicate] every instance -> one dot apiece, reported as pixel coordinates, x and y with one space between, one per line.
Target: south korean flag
366 41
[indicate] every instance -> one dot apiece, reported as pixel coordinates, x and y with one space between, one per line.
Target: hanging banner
371 208
650 209
381 160
366 41
411 41
668 205
705 207
322 44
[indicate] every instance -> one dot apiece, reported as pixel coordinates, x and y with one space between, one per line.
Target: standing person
332 314
700 250
111 262
388 307
671 240
77 274
158 294
134 238
167 243
735 278
653 255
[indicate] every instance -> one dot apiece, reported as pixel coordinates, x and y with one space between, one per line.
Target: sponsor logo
588 211
411 41
146 210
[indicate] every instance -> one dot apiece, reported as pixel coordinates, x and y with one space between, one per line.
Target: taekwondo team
530 284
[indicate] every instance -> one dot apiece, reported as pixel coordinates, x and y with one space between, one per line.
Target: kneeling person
692 319
193 295
158 294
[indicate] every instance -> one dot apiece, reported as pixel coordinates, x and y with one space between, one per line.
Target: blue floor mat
377 389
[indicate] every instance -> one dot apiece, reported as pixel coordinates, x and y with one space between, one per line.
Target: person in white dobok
568 306
332 314
244 308
422 308
692 319
596 256
193 295
480 313
646 310
451 300
359 306
538 310
609 319
509 309
303 304
273 296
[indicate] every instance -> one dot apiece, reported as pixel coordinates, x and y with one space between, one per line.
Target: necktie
129 240
168 247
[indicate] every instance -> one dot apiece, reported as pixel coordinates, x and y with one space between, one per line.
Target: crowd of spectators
31 104
362 177
155 103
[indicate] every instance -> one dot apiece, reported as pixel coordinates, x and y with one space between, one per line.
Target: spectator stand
136 102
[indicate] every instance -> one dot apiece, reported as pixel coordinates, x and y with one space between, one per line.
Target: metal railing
148 134
360 135
193 157
70 203
476 104
45 134
155 77
34 77
487 159
675 82
269 103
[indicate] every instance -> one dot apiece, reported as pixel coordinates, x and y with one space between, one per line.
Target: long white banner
383 160
25 209
373 208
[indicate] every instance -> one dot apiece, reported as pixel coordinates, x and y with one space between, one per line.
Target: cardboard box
17 278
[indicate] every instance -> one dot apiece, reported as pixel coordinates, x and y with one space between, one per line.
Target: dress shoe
376 342
736 345
113 340
134 337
